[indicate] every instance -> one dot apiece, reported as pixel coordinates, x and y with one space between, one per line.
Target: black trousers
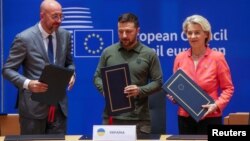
42 126
187 125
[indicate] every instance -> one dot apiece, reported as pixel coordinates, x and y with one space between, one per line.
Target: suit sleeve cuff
26 84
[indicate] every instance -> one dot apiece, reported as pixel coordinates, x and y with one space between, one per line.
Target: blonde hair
203 22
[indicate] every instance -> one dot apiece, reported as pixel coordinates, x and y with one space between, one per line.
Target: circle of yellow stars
86 46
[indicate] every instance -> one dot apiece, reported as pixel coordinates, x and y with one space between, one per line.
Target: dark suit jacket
29 52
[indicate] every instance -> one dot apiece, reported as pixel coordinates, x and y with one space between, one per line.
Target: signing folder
115 79
187 94
57 79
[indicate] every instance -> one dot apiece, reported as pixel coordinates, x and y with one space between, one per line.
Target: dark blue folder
115 79
187 94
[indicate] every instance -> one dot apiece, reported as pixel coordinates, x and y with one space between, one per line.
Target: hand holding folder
115 79
57 79
187 94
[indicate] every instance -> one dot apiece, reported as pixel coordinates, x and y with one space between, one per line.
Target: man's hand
132 90
36 87
72 82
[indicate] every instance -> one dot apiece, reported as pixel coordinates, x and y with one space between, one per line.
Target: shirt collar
44 33
136 48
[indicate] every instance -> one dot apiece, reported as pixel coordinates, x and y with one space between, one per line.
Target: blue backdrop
93 25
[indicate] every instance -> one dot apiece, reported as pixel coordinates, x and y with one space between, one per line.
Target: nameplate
114 133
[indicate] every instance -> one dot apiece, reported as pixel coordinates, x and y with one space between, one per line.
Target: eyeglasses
57 17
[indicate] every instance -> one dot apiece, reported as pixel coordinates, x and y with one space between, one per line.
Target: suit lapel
38 40
59 47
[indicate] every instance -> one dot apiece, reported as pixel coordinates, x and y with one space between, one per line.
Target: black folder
187 94
57 79
115 79
34 137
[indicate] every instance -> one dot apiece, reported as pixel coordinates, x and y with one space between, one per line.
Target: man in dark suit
29 50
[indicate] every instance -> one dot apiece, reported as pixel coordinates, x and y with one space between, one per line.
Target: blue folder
187 94
115 79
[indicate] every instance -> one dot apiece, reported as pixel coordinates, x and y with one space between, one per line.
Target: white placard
114 133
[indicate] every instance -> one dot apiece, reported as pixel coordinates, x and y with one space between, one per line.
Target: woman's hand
171 98
210 109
